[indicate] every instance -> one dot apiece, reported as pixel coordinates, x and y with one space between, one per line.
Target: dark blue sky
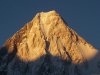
82 15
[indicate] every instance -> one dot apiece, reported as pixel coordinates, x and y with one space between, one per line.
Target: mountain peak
48 35
47 27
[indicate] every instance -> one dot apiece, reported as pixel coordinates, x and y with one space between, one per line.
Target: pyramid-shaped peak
47 32
47 45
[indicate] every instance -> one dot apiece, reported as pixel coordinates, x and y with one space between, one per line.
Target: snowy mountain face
47 46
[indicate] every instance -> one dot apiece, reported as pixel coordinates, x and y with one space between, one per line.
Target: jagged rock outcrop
47 46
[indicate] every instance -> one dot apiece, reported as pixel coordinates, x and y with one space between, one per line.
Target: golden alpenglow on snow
47 46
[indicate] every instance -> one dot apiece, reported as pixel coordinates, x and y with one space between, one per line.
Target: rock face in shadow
47 46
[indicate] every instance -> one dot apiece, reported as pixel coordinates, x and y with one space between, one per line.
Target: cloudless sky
81 15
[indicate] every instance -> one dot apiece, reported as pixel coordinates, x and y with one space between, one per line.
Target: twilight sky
81 15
